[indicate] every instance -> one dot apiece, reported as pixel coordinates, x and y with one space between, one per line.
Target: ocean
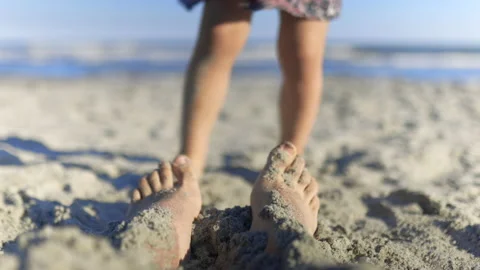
65 60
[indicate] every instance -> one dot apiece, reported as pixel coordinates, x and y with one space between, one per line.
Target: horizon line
333 41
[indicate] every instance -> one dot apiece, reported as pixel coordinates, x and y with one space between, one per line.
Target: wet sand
398 165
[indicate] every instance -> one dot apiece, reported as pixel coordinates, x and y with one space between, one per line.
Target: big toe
183 170
281 157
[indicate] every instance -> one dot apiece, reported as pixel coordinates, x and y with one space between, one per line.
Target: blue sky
362 20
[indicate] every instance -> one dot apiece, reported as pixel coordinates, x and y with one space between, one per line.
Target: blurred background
90 100
427 40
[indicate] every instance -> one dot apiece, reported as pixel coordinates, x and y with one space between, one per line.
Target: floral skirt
313 9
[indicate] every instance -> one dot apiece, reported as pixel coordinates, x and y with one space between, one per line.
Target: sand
398 165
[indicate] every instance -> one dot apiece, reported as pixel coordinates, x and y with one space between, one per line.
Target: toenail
288 146
181 160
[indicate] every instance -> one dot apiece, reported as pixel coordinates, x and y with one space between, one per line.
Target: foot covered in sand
181 197
285 187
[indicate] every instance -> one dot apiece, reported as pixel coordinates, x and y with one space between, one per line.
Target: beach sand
398 165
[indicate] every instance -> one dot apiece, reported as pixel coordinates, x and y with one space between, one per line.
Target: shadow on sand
247 174
127 180
89 215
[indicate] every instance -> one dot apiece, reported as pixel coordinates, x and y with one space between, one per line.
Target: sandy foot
182 198
286 188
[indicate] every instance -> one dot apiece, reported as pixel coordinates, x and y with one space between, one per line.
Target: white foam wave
103 52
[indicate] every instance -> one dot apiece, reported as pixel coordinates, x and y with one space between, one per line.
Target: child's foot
285 178
180 197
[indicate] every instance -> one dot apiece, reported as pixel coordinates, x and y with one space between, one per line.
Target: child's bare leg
301 46
224 30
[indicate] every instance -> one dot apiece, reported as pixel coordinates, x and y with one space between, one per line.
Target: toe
281 157
304 179
312 189
136 196
144 187
314 204
182 168
166 175
295 170
154 181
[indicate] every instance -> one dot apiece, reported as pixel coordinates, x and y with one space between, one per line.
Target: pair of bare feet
284 176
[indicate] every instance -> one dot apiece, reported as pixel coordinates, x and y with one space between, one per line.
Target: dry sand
398 165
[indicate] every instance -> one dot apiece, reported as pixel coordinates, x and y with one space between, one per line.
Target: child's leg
301 46
224 30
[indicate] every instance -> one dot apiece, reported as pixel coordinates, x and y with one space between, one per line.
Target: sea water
407 61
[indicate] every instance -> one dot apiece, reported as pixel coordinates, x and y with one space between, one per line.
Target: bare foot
181 197
287 182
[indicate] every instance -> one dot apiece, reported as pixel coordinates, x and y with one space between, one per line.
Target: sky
421 21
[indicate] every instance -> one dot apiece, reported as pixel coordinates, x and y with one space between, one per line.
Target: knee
309 55
305 74
228 42
221 47
309 62
302 65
